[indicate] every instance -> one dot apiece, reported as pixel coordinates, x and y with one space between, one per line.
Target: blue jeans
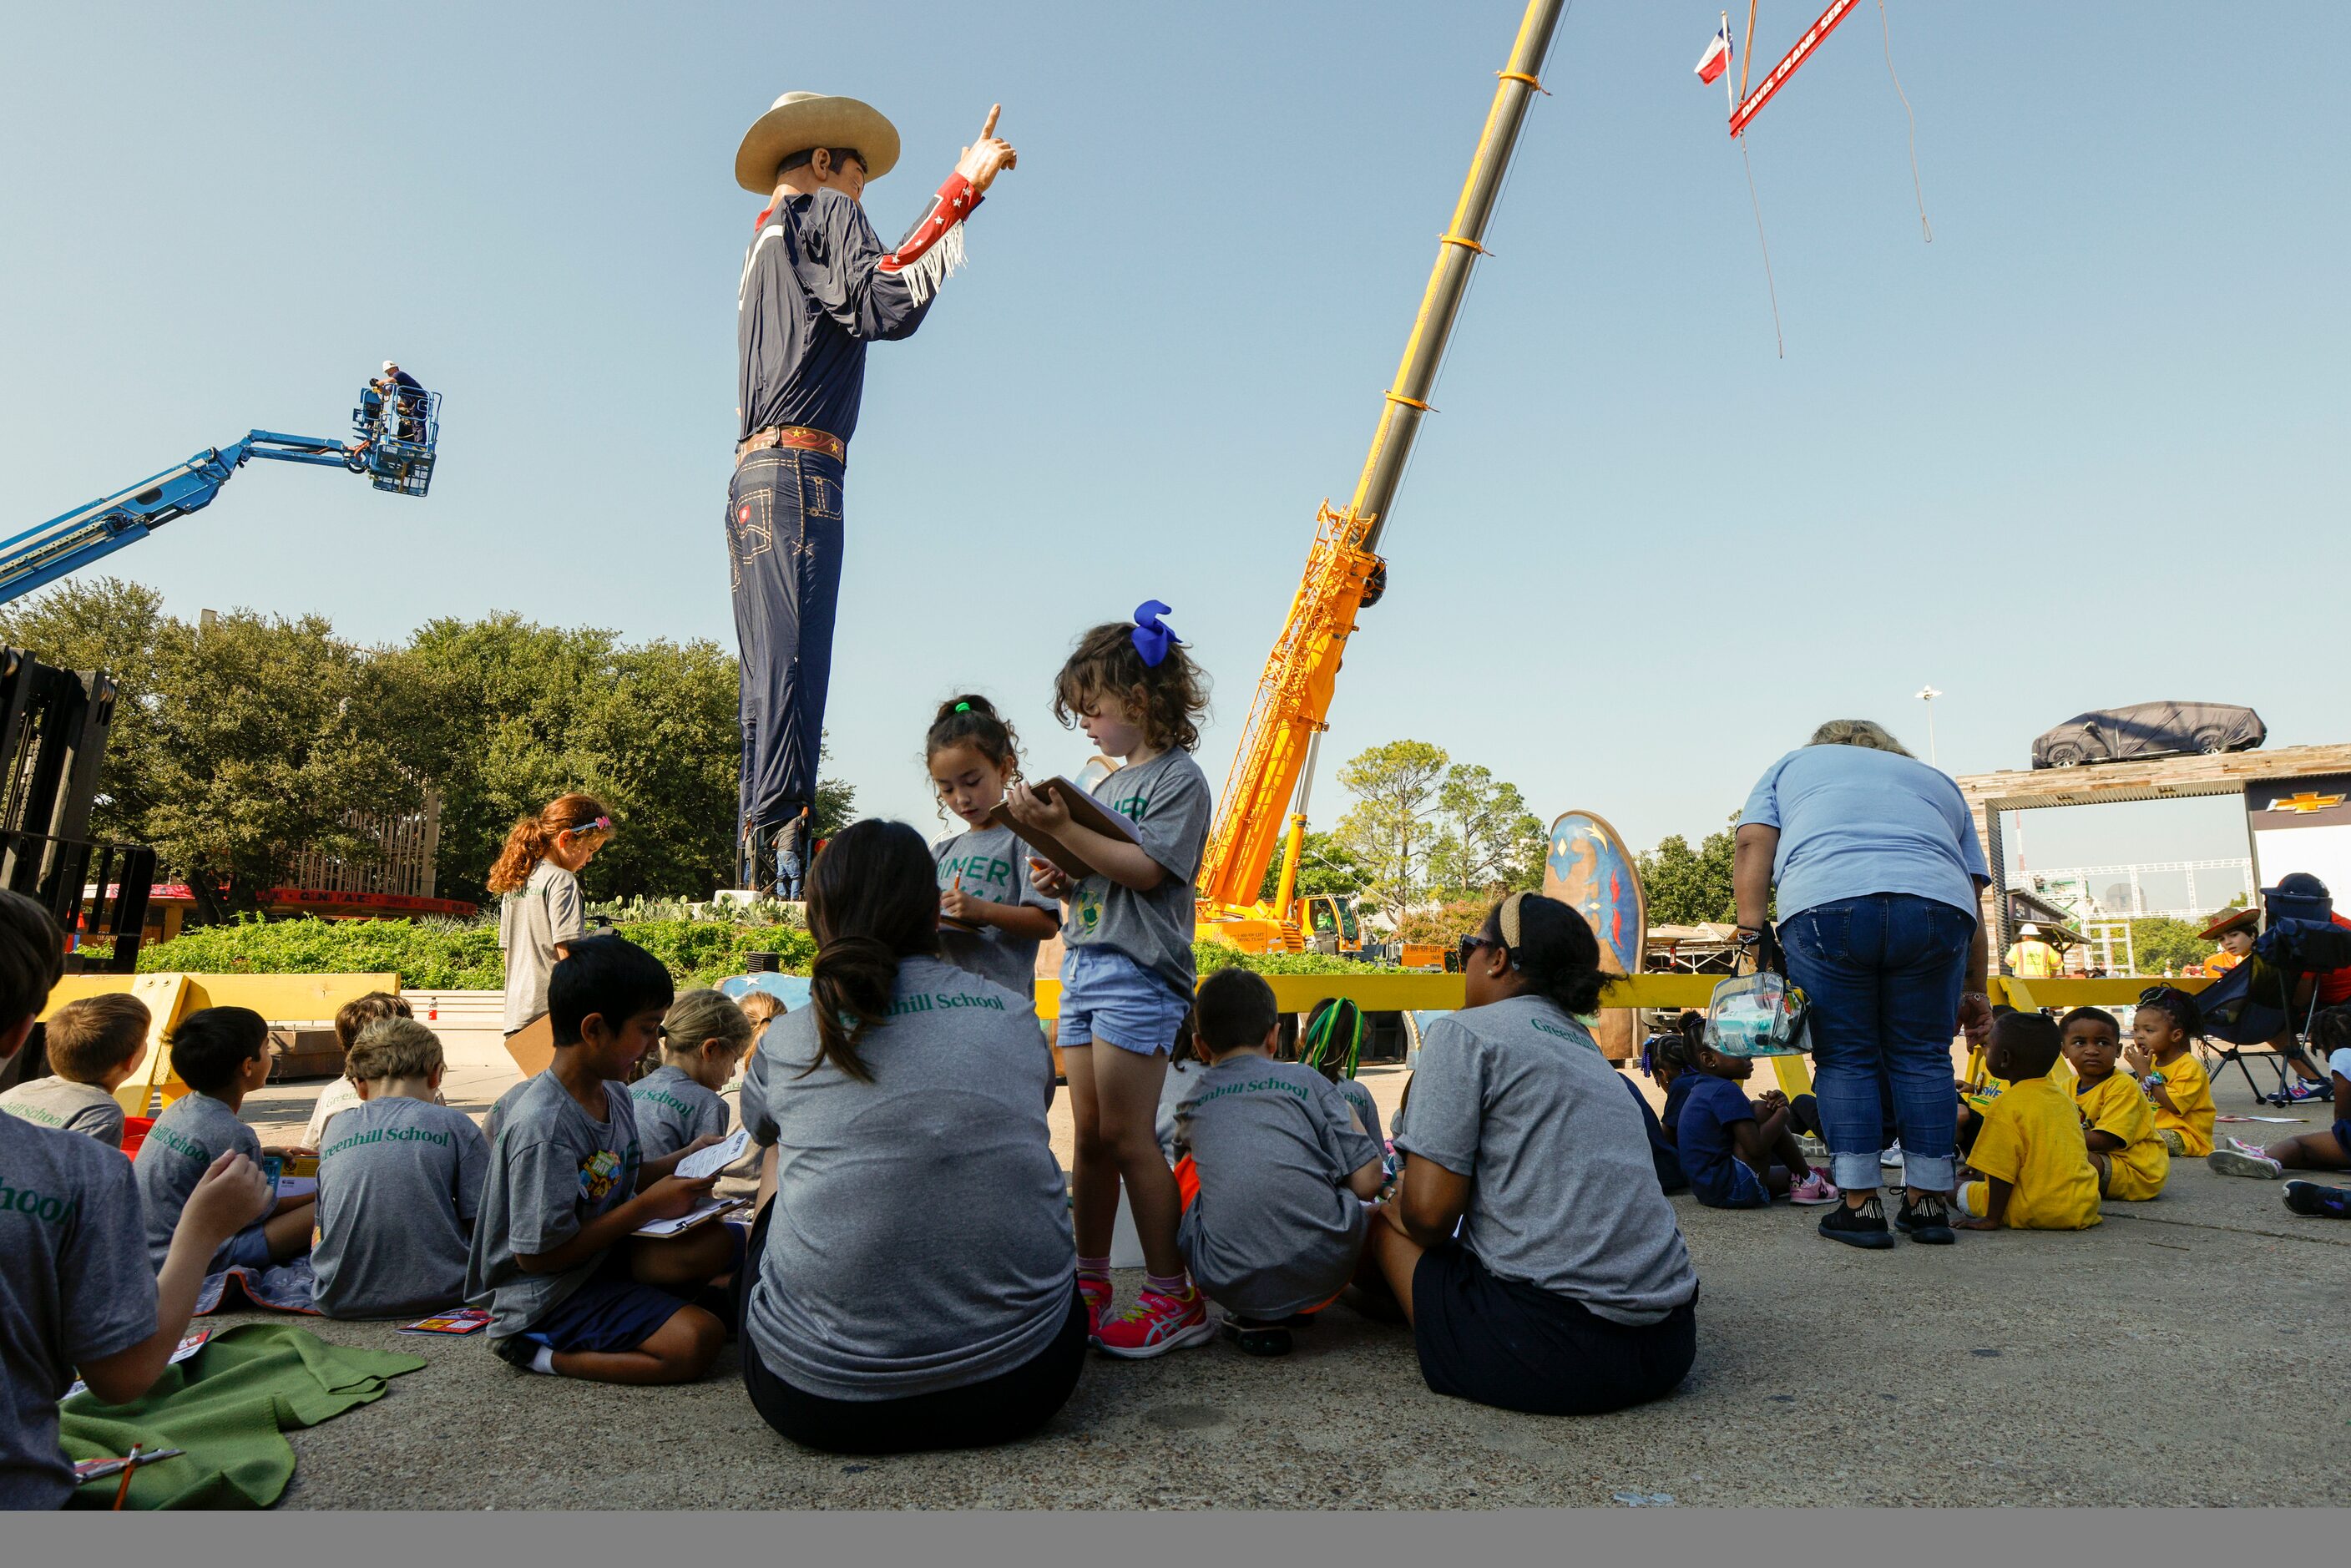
1883 974
784 542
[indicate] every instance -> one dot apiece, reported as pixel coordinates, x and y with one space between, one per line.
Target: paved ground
2183 1352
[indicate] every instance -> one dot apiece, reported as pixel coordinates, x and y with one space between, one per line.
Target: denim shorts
248 1248
1108 997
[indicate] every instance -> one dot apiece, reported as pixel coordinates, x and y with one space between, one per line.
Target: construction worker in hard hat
2032 958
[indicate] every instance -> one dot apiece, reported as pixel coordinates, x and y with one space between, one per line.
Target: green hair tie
963 707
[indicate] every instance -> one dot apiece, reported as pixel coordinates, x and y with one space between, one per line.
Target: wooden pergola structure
2108 783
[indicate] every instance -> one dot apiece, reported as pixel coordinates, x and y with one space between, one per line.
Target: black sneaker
2318 1200
1863 1226
1257 1338
1928 1220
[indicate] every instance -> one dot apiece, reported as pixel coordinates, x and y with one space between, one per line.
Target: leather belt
799 437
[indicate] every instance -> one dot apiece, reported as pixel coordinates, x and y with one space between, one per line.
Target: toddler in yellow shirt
2119 1124
2028 1148
2159 1054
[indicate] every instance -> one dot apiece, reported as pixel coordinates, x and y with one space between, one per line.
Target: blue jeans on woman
1883 974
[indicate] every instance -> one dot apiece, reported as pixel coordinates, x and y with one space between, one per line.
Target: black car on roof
2149 730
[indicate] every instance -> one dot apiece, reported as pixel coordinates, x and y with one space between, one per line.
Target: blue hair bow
1153 637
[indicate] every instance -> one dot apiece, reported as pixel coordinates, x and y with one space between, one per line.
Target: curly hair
1106 661
1858 732
972 720
1554 951
534 833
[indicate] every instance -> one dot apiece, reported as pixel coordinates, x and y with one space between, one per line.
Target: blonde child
342 1094
705 1036
222 1054
540 911
2029 1148
991 916
2160 1056
1127 975
400 1181
92 1046
2119 1124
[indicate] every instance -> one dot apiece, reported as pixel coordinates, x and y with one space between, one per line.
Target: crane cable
1886 29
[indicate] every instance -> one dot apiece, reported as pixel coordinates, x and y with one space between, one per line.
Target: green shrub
449 956
1211 956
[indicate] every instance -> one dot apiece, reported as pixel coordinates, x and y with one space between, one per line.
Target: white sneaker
2242 1163
1891 1158
1814 1189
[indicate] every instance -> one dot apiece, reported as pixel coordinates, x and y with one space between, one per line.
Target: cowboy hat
2229 920
800 120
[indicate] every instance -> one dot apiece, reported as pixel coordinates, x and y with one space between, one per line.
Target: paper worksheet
717 1157
708 1209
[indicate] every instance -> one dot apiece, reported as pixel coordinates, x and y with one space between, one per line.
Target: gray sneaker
2236 1163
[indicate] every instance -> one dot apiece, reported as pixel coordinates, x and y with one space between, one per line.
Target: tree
1490 843
104 625
1687 886
1324 865
1396 789
2158 945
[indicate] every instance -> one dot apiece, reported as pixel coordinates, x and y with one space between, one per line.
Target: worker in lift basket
407 394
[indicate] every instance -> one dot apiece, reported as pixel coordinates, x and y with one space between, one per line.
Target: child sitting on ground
2028 1147
1332 1044
400 1181
76 1291
2159 1055
2330 1035
705 1036
2119 1123
222 1054
573 1290
1740 1154
1665 1059
343 1094
1277 1227
93 1045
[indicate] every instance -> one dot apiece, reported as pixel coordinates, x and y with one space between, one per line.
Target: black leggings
980 1415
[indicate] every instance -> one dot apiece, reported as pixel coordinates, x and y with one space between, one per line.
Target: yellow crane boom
1343 572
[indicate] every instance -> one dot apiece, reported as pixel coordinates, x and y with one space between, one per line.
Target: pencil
129 1468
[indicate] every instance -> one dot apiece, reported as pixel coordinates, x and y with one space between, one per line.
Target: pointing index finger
989 128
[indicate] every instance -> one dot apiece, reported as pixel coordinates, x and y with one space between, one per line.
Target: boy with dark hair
342 1094
2029 1148
93 1045
75 1289
2131 1160
399 1183
222 1054
1276 1229
554 1256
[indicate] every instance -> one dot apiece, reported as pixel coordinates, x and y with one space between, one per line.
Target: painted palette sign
1589 868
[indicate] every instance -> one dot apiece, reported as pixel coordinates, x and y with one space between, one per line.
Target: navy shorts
609 1311
248 1248
1517 1346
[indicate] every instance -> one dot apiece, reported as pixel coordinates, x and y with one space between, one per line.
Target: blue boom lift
396 428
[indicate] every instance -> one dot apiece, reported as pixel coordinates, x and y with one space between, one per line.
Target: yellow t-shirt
2035 960
2032 1139
2191 1091
2118 1105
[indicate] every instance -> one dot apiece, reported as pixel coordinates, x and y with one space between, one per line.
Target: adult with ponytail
888 1312
1540 1266
541 911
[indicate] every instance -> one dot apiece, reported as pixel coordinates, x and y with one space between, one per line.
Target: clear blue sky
2082 450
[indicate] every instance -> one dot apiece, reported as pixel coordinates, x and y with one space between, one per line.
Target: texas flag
1717 58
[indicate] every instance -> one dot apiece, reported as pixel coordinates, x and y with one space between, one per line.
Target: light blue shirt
1853 821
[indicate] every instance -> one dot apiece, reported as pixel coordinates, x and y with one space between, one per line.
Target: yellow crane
1274 767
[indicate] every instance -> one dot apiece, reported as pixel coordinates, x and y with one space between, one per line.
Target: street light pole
1928 695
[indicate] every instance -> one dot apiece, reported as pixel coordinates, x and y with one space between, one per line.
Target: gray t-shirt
497 1116
920 1233
193 1132
1564 1195
68 1107
1274 1231
673 1111
546 911
1367 1108
988 862
1169 801
398 1184
553 1170
1180 1084
75 1287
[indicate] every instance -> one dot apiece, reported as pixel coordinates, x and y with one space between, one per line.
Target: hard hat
2029 929
389 365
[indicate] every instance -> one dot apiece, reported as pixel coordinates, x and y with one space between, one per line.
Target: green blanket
227 1405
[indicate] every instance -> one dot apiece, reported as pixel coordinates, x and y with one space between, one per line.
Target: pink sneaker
1157 1324
1813 1190
1097 1293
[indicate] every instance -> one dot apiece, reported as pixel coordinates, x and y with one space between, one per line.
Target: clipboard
1084 810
